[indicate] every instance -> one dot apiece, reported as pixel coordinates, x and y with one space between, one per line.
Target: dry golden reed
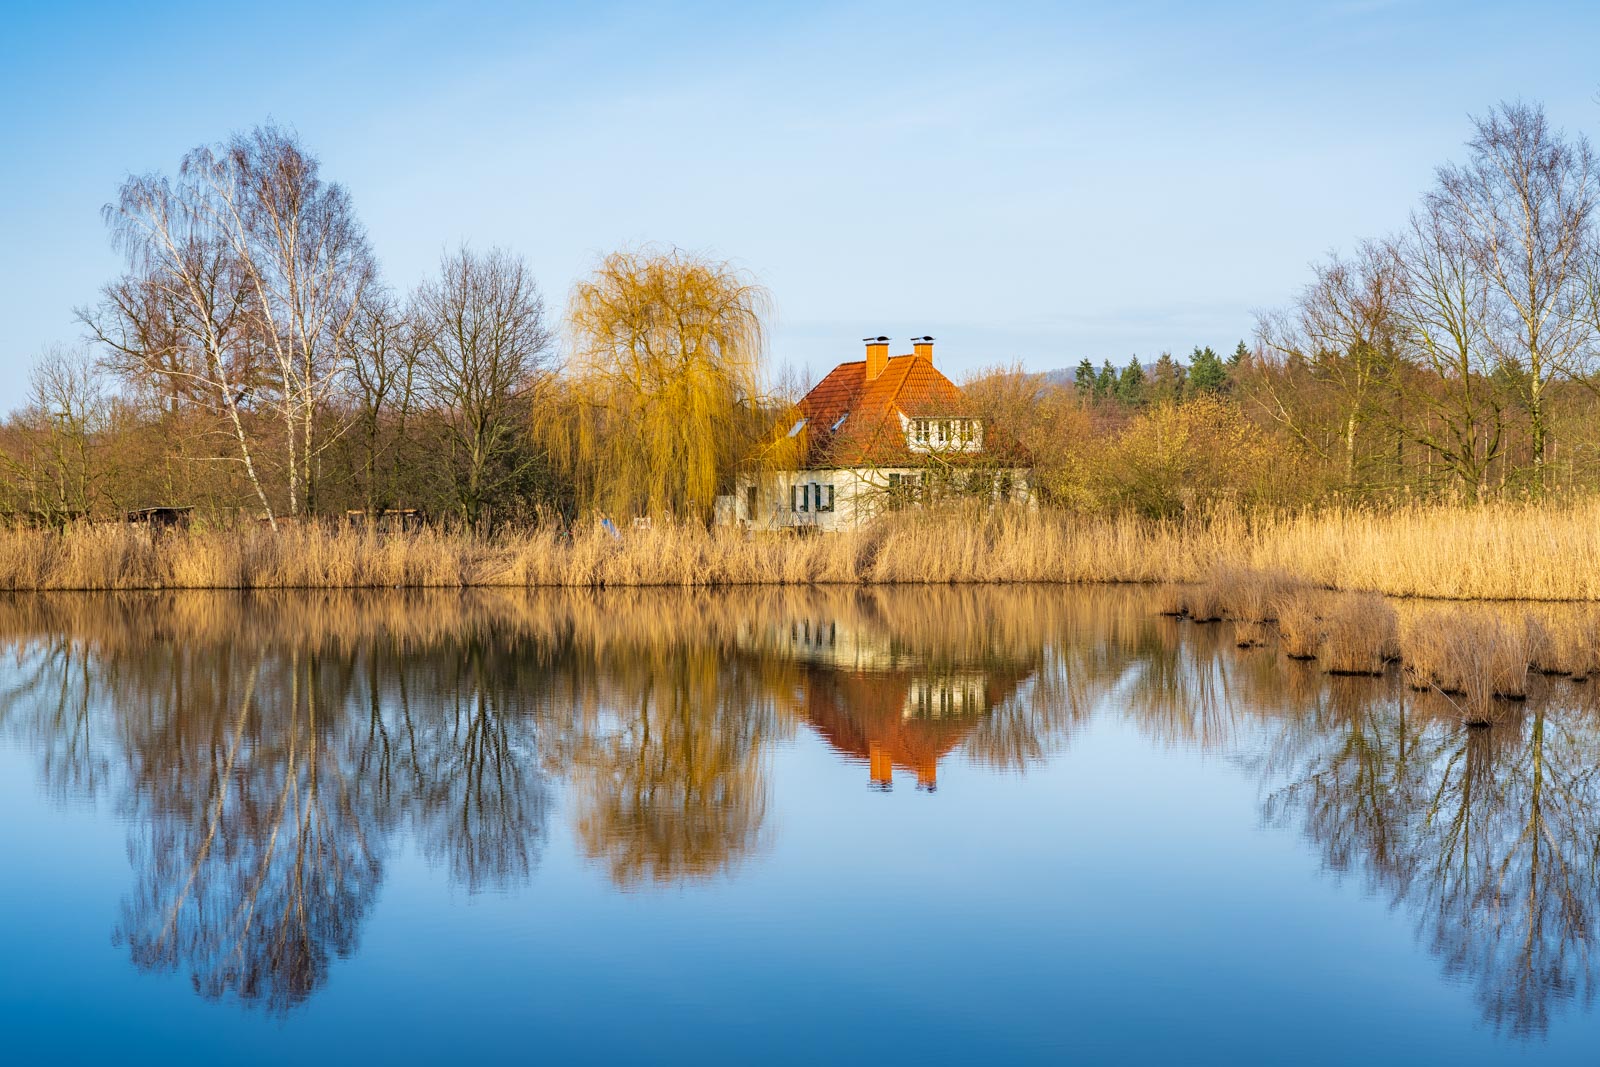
1359 634
1488 552
1564 639
1474 655
1244 595
1251 595
1428 653
1205 603
1172 600
1300 616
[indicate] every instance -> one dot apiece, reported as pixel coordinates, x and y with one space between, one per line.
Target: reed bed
1359 635
1300 616
1244 595
1475 656
1564 640
1473 659
1205 603
1252 596
1492 552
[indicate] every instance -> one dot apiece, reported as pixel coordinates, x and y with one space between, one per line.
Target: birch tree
180 319
245 273
306 260
1523 205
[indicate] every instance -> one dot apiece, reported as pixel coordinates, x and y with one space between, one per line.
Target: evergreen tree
1130 386
1240 354
1106 384
1083 380
1166 381
1206 372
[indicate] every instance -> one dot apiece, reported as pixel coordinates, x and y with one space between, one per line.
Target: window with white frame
944 435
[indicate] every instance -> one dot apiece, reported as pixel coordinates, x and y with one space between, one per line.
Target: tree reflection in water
670 773
269 751
253 845
1488 836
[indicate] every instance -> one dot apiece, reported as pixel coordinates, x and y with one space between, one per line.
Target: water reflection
1489 837
270 753
900 680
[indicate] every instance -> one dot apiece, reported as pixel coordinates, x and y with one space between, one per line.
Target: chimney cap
876 340
922 340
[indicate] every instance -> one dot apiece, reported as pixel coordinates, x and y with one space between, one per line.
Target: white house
877 433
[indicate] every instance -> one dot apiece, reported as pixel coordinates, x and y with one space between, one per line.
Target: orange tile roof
872 433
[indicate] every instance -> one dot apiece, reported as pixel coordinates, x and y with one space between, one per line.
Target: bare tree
1523 206
486 347
305 256
180 317
1341 333
245 274
1441 310
53 469
381 369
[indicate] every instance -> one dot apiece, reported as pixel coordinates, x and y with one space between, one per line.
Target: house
879 433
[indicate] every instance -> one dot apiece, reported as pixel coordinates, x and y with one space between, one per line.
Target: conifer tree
1206 372
1166 381
1130 386
1083 380
1106 384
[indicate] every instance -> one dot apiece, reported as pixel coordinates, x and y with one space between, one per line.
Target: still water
949 825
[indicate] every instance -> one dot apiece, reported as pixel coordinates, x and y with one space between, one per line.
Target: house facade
876 434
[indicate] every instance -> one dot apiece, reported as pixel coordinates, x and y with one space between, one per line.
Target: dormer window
944 435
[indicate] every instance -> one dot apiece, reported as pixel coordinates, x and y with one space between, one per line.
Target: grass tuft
1359 635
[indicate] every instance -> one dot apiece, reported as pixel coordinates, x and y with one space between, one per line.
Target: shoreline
1532 553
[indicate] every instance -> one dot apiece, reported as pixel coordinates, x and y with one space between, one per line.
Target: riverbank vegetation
1549 551
1478 659
1423 420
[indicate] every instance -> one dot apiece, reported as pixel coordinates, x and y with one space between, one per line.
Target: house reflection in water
876 694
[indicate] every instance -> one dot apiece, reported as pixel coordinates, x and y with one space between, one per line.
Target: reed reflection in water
271 751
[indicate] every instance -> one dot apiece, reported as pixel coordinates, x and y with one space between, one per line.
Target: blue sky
1033 183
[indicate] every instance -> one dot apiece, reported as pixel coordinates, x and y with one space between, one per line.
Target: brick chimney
923 346
877 356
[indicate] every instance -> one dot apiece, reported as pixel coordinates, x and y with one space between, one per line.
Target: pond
825 825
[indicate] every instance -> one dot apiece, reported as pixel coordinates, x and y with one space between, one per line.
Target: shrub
1176 458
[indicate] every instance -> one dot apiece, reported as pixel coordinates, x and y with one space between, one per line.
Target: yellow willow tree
667 350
